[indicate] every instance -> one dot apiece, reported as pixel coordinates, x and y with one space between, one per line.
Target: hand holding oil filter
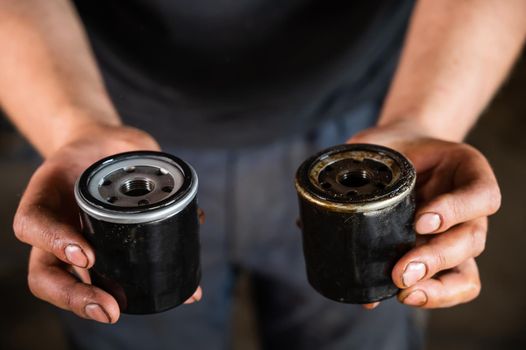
138 210
356 210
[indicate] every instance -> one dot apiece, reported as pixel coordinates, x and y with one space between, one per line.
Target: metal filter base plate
136 187
135 182
356 177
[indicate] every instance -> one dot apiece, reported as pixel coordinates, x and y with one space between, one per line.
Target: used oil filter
356 214
138 210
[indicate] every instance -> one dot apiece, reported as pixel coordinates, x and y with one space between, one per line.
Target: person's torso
227 73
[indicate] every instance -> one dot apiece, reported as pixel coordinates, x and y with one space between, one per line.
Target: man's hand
47 219
456 192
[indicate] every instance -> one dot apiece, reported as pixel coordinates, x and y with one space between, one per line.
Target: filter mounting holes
167 189
352 193
143 202
126 188
325 185
354 179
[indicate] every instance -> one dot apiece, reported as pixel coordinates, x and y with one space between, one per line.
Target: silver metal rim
149 215
358 207
387 156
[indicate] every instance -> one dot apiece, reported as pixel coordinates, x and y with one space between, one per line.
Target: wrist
392 132
421 125
408 126
400 134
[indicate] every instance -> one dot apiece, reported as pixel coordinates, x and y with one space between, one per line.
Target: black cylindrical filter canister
138 211
356 214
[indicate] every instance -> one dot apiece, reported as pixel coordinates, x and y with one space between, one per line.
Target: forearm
457 54
50 86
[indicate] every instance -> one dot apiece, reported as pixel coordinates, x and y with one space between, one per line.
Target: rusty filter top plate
356 177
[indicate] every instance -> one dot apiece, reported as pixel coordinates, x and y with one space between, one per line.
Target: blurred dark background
496 320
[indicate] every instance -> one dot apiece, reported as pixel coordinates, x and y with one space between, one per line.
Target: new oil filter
356 215
138 210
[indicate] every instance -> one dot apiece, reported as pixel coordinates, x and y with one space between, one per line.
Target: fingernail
428 223
413 273
76 256
201 216
97 313
371 305
198 295
415 298
191 300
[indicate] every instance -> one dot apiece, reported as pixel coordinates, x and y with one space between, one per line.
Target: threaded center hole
355 178
137 187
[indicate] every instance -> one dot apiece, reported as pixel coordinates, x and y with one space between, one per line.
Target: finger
47 216
39 227
198 294
80 273
441 252
456 286
49 281
201 216
476 194
370 306
299 224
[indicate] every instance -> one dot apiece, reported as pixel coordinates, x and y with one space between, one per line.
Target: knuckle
32 284
450 209
52 239
68 297
439 260
495 199
473 286
19 225
55 242
474 291
478 239
90 295
470 150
